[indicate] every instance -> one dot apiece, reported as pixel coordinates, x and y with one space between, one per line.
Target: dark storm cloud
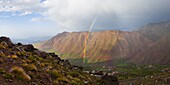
78 14
112 14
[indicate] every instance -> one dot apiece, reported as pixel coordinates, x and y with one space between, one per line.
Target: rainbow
86 39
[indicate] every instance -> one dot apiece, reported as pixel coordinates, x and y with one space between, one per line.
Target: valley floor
138 75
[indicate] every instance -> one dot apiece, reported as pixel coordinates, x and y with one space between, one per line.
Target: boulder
99 73
6 40
76 68
53 55
67 62
167 80
110 80
19 44
29 48
41 54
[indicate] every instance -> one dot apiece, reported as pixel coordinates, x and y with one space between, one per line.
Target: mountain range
31 40
147 45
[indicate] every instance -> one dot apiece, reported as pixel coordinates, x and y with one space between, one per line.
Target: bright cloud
78 14
39 19
23 7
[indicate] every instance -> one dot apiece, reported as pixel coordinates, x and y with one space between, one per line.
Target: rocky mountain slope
26 65
158 53
101 46
155 31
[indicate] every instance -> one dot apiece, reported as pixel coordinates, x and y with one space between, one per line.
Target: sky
21 19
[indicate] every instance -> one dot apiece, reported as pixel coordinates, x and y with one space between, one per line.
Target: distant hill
31 40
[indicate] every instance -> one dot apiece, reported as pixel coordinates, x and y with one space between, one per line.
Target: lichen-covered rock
6 41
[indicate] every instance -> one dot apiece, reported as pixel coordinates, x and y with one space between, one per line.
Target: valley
135 57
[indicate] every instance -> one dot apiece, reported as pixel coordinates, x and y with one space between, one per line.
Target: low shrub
17 70
55 74
3 45
24 76
1 61
20 53
30 67
74 73
56 82
32 58
63 79
13 56
2 54
8 75
20 73
2 71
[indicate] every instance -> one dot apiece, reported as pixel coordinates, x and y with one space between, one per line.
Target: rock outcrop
6 41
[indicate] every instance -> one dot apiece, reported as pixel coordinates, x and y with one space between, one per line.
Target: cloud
23 7
78 14
39 19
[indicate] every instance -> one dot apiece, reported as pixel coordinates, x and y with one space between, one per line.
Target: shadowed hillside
158 53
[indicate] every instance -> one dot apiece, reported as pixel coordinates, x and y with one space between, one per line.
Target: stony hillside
156 31
26 65
101 46
158 53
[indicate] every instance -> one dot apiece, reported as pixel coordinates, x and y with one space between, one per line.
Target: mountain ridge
102 45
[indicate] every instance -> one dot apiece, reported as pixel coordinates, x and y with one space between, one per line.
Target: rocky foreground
26 65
